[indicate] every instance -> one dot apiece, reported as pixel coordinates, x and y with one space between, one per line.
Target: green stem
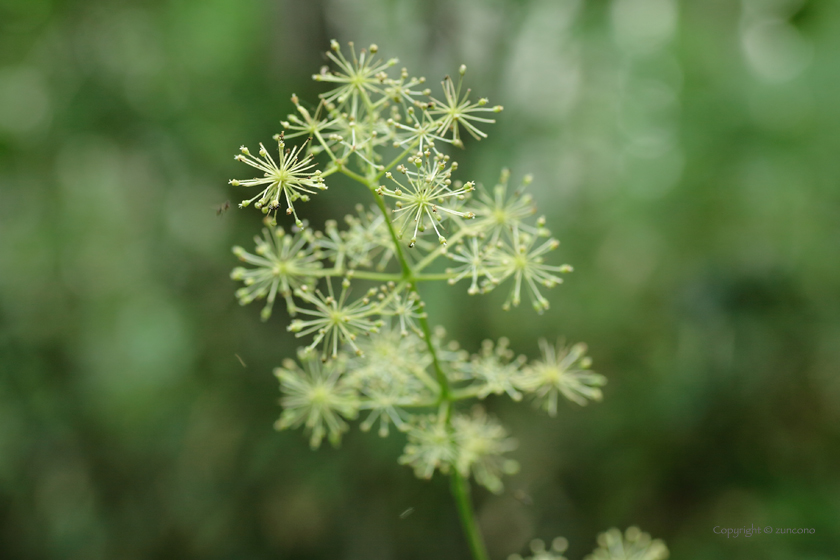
353 175
396 160
460 486
325 146
461 492
379 276
428 277
445 391
360 274
455 395
428 259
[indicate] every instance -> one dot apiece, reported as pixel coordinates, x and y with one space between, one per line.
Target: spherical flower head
389 376
456 110
289 180
307 124
523 259
356 79
281 262
540 552
406 307
426 195
481 443
368 239
562 370
494 370
500 211
474 263
633 545
430 446
419 128
358 137
316 396
400 90
387 353
334 320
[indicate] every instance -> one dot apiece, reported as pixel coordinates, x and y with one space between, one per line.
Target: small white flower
456 110
495 370
359 138
450 355
475 263
400 90
368 238
502 211
422 130
540 552
307 124
391 375
633 545
291 179
523 260
283 263
430 446
562 370
406 306
333 320
481 443
358 78
429 196
316 397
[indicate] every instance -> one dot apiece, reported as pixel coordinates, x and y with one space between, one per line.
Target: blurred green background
686 154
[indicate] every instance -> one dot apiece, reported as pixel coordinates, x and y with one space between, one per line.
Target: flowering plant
353 291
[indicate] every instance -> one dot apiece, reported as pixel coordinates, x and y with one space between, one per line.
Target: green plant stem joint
372 354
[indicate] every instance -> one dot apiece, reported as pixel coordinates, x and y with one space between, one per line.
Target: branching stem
378 276
459 485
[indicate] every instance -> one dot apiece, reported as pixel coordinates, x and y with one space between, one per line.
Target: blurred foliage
685 153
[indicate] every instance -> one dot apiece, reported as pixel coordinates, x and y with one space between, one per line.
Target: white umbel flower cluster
501 244
612 545
389 377
632 545
540 552
353 289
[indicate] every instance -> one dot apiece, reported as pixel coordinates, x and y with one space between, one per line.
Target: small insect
241 361
406 513
523 497
223 207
